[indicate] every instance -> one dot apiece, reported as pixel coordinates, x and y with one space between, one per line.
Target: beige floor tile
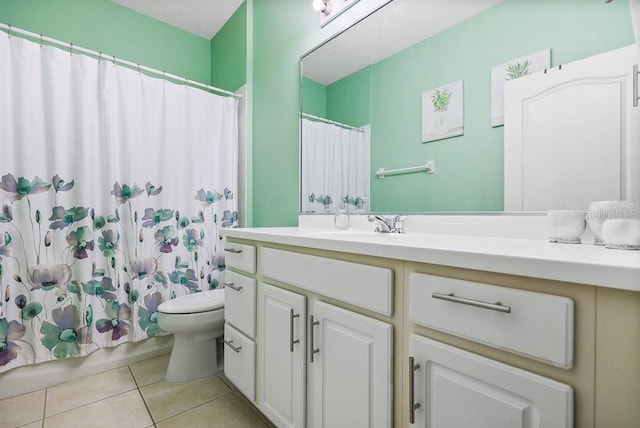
228 382
125 410
255 410
227 411
168 399
22 409
70 395
150 371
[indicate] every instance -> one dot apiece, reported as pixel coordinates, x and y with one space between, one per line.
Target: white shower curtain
114 187
335 167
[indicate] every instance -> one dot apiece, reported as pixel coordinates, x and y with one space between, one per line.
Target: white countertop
583 264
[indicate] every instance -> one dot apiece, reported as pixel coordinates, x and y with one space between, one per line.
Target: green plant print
518 69
440 100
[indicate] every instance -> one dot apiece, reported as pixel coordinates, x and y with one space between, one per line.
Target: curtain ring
186 82
70 49
114 60
138 68
9 31
99 56
41 40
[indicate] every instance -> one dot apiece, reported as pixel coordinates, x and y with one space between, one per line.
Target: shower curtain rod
322 119
10 30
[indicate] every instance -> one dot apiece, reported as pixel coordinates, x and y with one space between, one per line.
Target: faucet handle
398 223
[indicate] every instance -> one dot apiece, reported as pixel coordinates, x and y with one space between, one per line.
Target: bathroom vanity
355 328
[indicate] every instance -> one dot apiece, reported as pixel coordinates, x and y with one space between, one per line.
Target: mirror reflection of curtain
335 167
114 186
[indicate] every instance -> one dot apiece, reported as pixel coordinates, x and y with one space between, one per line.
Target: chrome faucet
388 225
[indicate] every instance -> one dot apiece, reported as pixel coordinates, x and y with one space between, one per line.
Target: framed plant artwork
511 70
442 112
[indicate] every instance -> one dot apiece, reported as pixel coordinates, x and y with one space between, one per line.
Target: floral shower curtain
335 167
114 186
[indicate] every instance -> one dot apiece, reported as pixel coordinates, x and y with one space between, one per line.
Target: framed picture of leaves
442 112
510 70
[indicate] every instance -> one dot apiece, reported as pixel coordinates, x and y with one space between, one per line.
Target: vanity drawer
364 286
240 361
240 256
240 302
534 324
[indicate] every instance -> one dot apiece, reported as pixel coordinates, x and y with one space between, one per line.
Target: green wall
469 168
349 99
314 98
282 31
229 52
277 33
106 27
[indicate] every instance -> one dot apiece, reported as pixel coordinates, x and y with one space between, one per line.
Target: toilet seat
205 301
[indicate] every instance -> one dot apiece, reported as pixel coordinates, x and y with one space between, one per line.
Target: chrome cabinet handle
312 350
233 250
233 287
497 306
229 343
292 342
412 390
636 95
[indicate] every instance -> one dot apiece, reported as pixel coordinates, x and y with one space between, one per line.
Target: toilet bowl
197 322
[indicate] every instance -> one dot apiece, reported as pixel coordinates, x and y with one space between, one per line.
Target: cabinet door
570 134
454 388
283 350
349 369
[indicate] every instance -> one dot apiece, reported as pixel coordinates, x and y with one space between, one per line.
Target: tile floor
134 396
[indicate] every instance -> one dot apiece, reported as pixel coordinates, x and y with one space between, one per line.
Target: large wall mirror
377 89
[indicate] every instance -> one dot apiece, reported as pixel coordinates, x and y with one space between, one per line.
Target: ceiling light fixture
322 6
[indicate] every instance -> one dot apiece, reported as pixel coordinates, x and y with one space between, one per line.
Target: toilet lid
192 303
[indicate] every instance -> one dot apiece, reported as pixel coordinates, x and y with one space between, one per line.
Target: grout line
44 408
193 408
146 406
199 405
95 401
254 409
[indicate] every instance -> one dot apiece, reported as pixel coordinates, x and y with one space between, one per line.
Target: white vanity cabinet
283 346
322 365
496 347
240 318
349 369
452 388
536 325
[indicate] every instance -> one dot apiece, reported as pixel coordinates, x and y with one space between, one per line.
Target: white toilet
196 321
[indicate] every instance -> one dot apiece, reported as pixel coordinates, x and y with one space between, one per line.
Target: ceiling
203 18
398 25
375 38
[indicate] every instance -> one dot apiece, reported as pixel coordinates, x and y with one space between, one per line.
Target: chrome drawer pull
636 96
312 350
412 391
292 342
233 250
229 343
233 287
497 306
